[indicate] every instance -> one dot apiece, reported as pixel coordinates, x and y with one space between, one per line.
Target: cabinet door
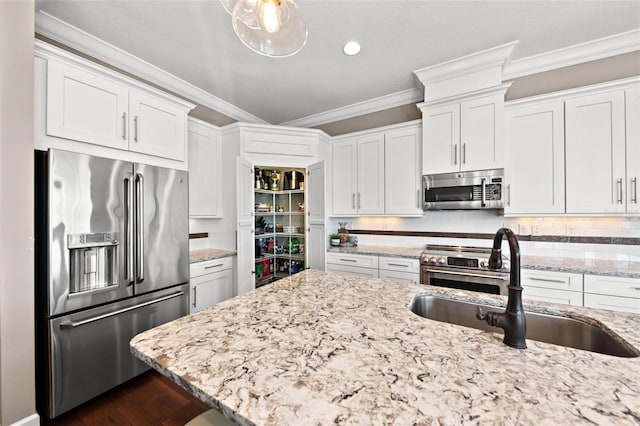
345 164
534 167
632 97
204 171
370 194
315 192
595 153
245 226
316 246
209 289
156 127
441 130
481 133
86 107
402 172
565 297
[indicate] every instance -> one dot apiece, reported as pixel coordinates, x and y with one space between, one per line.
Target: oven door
466 279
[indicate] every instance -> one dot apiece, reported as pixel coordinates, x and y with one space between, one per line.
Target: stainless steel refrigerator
112 260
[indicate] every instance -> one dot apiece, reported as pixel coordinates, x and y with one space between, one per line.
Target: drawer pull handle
636 288
348 260
398 264
217 265
546 280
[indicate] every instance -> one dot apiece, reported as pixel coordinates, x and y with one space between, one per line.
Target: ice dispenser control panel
93 261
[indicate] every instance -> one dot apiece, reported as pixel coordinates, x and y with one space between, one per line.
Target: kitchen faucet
512 320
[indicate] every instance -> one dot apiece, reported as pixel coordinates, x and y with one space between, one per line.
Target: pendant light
269 27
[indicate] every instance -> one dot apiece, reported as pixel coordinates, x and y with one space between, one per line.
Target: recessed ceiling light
351 48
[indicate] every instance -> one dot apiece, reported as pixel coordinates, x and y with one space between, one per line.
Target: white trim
589 51
62 32
392 100
469 64
383 129
578 91
32 420
465 96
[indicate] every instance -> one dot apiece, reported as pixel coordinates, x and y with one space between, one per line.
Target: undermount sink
553 329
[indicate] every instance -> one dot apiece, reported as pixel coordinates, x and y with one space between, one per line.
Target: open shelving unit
280 233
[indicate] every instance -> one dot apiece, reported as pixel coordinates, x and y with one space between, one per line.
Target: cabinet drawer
400 276
400 264
552 280
613 286
615 303
353 270
566 297
210 266
353 260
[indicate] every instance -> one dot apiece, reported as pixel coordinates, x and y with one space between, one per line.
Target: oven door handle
467 274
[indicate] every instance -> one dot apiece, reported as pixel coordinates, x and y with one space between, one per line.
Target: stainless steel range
464 268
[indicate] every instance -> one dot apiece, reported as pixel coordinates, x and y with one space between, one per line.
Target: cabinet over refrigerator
112 260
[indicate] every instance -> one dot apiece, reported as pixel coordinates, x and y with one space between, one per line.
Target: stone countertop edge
202 255
324 348
623 269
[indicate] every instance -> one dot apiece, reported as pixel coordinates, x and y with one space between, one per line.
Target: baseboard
32 420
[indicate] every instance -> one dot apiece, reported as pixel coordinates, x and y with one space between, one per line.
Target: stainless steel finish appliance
112 260
464 268
292 179
480 189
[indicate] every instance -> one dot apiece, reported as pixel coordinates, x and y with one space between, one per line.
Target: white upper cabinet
90 104
358 179
378 172
463 135
86 107
370 189
402 172
345 176
632 97
534 168
595 153
204 170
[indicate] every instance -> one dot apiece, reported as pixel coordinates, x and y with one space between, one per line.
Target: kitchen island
323 348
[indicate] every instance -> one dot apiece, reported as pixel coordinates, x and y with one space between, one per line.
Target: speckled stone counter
320 348
410 252
202 255
583 266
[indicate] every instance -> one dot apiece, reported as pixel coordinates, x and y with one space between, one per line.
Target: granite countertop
321 348
202 255
625 269
391 251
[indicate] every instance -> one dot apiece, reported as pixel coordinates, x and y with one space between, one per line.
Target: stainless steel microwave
474 190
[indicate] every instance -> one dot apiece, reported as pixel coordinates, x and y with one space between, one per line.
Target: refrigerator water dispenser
93 261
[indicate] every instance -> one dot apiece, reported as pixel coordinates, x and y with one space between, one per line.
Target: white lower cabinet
554 287
210 282
399 269
354 264
615 293
392 268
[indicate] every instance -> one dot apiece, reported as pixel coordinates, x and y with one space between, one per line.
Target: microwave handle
483 200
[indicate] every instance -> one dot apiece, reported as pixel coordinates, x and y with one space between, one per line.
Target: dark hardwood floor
149 399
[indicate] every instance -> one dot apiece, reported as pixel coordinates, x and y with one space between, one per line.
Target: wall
17 383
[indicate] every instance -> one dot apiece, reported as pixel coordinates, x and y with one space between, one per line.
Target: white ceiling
194 40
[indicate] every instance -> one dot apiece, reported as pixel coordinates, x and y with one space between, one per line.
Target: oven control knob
442 261
484 264
432 260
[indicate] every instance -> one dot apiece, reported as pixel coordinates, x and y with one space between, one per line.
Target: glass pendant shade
269 27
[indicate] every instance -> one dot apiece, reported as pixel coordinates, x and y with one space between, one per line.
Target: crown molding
73 37
392 100
617 44
495 57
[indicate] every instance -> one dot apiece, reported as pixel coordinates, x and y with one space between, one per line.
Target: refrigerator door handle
128 225
139 227
72 324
